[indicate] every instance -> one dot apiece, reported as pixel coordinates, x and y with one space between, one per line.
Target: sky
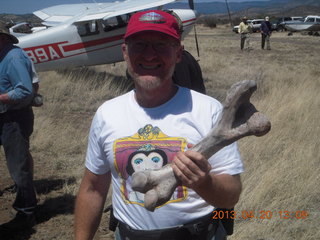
29 6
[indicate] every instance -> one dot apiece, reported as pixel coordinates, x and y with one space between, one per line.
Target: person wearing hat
187 72
16 126
244 31
154 125
266 31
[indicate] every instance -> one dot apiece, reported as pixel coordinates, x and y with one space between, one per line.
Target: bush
208 21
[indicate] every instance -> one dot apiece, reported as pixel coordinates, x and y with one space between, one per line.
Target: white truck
254 23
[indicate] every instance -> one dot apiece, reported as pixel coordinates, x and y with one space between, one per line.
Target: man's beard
149 82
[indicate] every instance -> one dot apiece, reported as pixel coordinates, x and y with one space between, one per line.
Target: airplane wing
91 11
61 13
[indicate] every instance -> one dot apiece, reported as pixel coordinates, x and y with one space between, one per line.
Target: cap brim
130 34
14 39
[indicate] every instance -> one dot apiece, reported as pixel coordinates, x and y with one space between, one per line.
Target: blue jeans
15 129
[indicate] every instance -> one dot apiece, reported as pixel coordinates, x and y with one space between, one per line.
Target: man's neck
150 98
4 49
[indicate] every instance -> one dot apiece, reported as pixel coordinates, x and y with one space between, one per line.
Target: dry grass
281 167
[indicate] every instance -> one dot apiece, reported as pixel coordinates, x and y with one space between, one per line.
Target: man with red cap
145 129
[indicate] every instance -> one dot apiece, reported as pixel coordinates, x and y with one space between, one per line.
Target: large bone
239 118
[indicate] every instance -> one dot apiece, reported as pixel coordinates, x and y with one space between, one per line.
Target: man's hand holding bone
192 168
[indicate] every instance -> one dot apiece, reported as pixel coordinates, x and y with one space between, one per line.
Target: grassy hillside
281 168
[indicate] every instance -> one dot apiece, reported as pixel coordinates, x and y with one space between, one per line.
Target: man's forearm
87 216
221 191
89 205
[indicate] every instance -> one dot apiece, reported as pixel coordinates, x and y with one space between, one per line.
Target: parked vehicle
279 25
254 23
309 23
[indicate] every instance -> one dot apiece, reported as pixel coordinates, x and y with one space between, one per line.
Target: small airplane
309 23
86 34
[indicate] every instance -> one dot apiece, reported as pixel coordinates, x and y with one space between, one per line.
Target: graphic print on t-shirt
148 149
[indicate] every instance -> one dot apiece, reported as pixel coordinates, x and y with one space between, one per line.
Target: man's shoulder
15 50
15 53
202 96
116 102
111 109
200 99
6 51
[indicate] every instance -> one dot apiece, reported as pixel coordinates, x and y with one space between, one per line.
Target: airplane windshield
310 20
115 22
22 28
87 28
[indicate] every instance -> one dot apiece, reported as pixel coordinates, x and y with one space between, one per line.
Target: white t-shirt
125 137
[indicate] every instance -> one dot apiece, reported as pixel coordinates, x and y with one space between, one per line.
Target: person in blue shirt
16 126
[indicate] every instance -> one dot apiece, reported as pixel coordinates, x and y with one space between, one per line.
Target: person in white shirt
244 30
146 128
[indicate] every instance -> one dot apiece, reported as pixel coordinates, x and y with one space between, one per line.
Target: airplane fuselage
63 47
88 43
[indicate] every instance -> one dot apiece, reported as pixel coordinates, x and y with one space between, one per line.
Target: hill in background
254 9
256 6
12 18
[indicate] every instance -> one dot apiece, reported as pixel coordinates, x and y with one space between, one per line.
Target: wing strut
191 5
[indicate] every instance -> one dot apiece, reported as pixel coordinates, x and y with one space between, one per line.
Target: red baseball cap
153 20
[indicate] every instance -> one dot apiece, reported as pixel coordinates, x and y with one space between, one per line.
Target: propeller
191 5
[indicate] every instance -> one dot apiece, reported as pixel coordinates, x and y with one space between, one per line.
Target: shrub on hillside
208 21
